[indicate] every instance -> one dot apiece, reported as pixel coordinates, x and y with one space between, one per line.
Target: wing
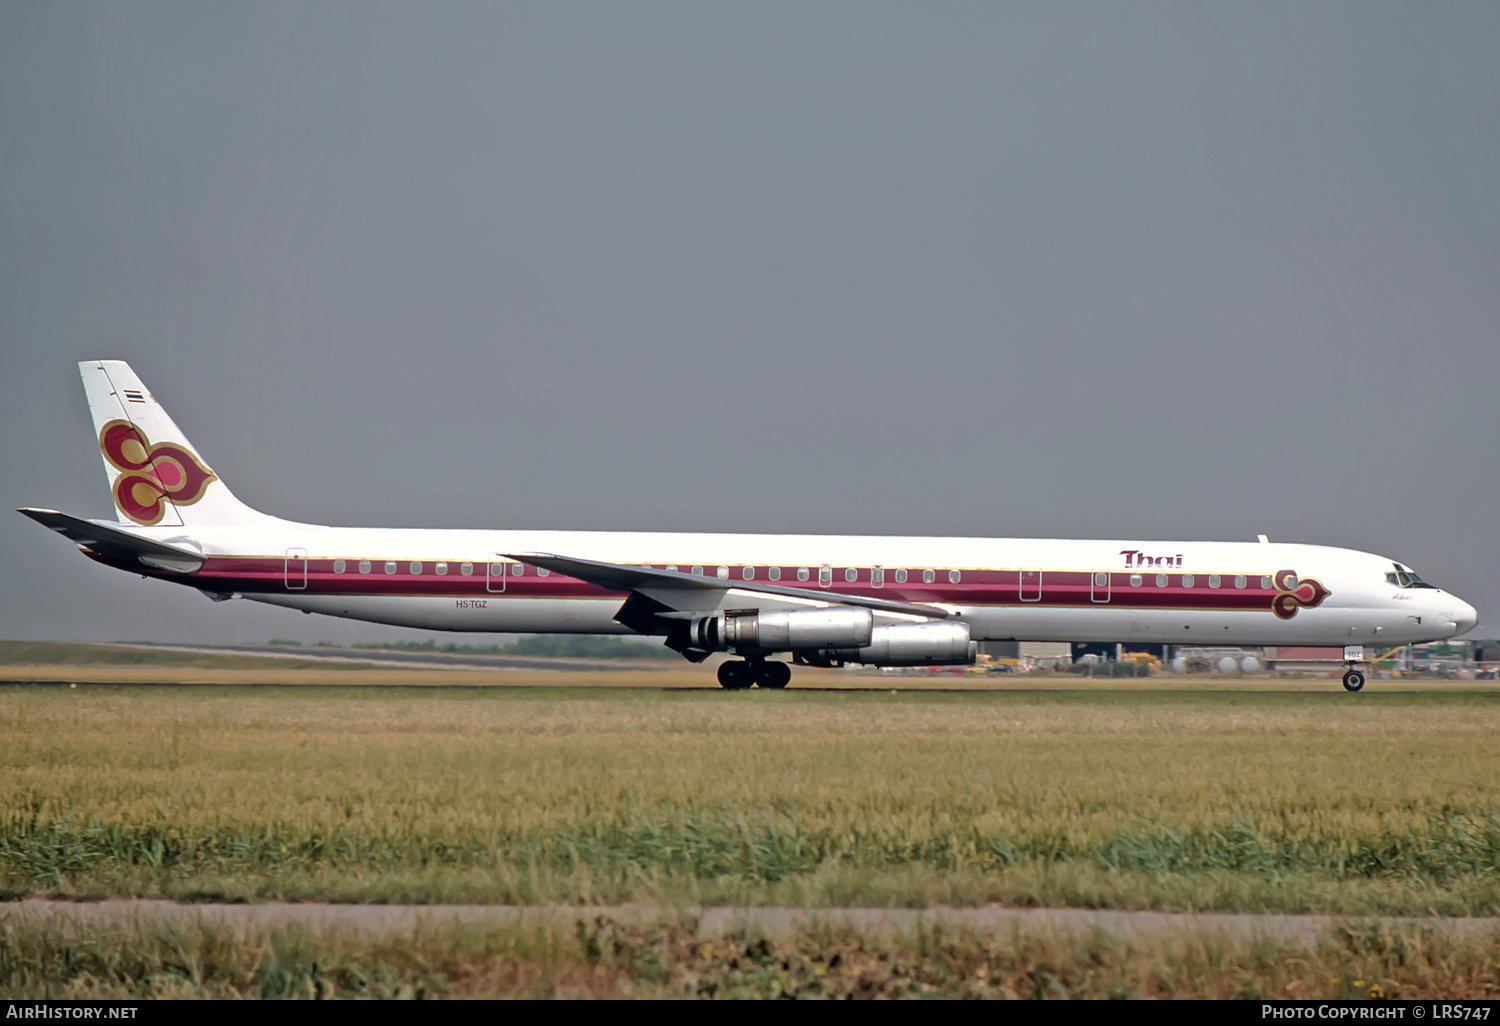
118 545
666 602
692 593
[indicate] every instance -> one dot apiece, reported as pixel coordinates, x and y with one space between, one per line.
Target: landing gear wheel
773 675
1353 680
735 675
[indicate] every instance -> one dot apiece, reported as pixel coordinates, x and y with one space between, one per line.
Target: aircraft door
1099 586
1031 584
494 573
294 570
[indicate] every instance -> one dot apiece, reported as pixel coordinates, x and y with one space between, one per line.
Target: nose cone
1465 616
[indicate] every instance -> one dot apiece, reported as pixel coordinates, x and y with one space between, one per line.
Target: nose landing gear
1353 679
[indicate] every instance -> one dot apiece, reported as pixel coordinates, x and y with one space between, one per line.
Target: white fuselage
1031 589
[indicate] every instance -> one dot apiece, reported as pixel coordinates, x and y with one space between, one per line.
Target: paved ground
717 922
379 656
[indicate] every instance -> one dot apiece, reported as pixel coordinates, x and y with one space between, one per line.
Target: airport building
1048 654
1475 655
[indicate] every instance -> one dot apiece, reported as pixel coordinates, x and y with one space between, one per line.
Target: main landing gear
738 674
1353 679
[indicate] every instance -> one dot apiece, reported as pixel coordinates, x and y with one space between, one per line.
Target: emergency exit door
294 571
1031 584
495 574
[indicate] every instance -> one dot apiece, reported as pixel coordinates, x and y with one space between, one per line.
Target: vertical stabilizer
156 476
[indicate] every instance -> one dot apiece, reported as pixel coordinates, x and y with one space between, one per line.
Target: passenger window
338 566
877 577
416 566
774 573
954 576
825 576
518 569
900 576
1213 580
496 569
1239 582
1187 580
390 567
542 571
928 576
748 573
1265 583
467 569
1161 580
441 569
364 566
1135 580
1101 580
851 575
723 573
1291 581
697 569
802 573
671 566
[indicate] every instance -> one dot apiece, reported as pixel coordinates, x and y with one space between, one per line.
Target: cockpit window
1402 577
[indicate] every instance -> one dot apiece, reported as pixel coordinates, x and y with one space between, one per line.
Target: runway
389 657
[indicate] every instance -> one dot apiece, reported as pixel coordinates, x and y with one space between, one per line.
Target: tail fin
155 475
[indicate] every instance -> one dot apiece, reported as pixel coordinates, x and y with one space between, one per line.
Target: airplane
767 600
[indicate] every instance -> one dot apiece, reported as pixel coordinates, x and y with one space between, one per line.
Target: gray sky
1094 270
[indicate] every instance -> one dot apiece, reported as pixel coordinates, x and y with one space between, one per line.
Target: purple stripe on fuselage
977 587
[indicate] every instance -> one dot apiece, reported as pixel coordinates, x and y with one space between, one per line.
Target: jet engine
911 644
783 631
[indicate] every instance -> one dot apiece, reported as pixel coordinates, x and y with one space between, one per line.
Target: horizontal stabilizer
178 556
622 577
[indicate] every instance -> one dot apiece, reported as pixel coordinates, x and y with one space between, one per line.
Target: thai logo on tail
151 474
1293 593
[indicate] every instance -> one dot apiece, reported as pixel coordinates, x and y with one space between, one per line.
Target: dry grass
604 959
1238 801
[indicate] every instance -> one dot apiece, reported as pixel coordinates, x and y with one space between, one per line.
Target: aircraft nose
1465 616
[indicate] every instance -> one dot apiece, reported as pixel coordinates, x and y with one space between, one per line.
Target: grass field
605 959
1090 796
